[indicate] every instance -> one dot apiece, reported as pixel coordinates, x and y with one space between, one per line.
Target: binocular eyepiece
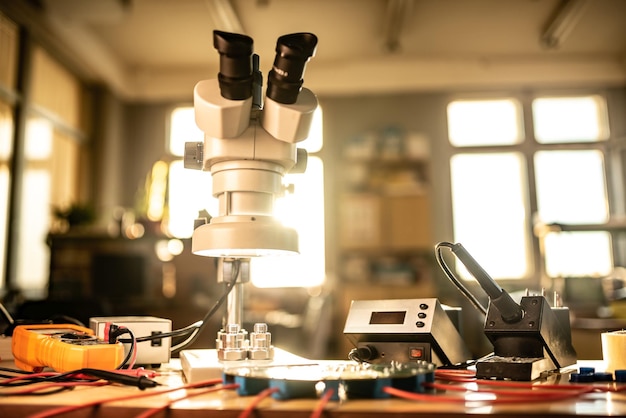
284 81
235 76
285 78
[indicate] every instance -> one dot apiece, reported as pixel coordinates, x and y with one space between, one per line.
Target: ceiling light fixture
563 22
396 16
224 16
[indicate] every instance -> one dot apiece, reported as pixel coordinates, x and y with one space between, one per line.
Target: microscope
249 145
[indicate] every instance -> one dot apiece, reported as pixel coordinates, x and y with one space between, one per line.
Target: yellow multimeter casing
63 348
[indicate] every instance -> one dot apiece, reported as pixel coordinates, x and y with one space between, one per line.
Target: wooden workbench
227 403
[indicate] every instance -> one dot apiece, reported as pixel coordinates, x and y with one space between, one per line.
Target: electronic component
232 343
152 352
405 330
349 380
63 347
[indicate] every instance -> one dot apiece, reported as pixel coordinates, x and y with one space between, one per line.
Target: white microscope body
249 145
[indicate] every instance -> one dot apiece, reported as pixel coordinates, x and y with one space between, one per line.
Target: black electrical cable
142 382
176 333
133 345
215 307
27 380
196 327
5 313
80 375
13 372
453 278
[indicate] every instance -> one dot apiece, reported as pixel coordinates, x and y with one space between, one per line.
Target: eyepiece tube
511 312
284 81
235 75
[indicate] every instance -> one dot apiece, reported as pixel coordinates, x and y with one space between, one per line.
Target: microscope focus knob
199 222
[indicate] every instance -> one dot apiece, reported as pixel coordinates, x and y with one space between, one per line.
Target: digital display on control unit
394 317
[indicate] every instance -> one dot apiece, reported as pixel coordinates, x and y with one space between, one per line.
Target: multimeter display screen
393 317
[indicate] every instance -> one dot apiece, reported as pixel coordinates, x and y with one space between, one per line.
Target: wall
424 113
145 135
347 117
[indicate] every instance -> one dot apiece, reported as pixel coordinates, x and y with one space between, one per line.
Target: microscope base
513 368
202 364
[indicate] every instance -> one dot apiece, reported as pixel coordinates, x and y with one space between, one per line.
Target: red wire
257 399
107 329
154 411
421 396
457 376
133 347
620 388
535 391
28 376
70 408
589 387
319 408
508 399
40 388
454 372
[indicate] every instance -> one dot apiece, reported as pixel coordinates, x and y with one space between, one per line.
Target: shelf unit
384 209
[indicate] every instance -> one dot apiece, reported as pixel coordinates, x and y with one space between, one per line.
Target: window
571 187
485 122
189 191
496 200
51 168
6 139
8 77
32 264
52 149
488 203
570 119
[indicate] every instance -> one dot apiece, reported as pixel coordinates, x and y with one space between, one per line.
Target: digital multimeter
63 347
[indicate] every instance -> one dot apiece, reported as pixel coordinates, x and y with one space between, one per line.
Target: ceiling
159 49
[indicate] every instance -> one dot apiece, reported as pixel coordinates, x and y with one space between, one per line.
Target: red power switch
416 353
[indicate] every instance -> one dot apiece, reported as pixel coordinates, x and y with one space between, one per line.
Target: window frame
614 164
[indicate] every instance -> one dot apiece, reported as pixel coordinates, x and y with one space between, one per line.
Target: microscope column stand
234 270
232 341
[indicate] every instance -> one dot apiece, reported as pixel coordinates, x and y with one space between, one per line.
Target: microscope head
249 145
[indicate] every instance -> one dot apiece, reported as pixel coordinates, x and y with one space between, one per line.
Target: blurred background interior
497 124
